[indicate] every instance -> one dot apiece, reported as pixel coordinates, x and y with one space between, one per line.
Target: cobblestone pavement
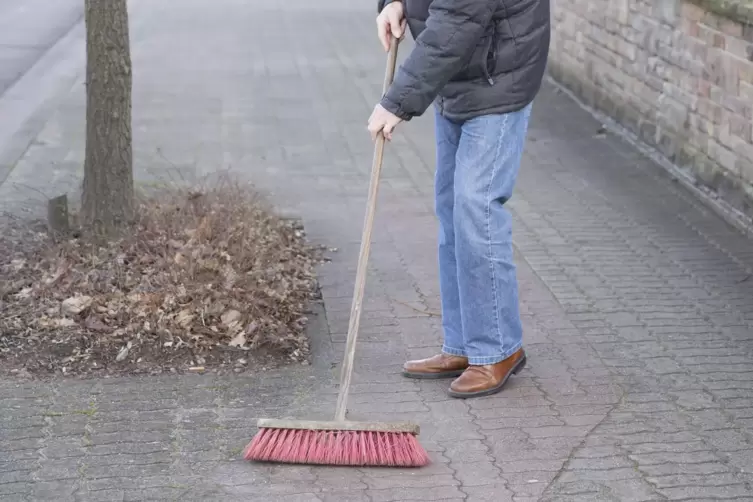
637 301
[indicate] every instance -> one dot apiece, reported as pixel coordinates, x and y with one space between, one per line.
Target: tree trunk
107 199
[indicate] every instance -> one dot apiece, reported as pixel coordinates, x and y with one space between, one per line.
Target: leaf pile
211 278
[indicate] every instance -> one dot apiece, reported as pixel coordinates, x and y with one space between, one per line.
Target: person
482 63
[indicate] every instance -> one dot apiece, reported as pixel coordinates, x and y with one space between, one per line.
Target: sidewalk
637 301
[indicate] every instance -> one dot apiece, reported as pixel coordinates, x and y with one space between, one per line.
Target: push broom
343 442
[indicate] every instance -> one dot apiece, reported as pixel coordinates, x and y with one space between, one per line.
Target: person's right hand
391 22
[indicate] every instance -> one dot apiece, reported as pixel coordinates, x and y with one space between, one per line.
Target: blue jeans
477 166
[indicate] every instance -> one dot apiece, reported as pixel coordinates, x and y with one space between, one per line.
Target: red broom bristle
357 448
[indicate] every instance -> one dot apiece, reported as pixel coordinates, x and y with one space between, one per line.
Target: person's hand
382 120
391 21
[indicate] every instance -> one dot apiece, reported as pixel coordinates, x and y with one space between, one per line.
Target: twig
28 187
429 313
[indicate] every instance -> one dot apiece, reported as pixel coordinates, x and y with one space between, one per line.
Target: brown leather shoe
479 381
439 366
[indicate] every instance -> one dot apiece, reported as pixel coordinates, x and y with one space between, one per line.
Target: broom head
337 443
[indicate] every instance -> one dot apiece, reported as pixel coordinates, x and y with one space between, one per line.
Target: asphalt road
28 28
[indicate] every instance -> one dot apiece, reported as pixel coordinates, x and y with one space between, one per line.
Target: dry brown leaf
59 272
76 304
64 322
184 318
24 293
238 340
95 324
230 317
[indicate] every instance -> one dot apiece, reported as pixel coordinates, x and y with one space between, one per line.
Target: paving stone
616 474
705 492
404 494
488 493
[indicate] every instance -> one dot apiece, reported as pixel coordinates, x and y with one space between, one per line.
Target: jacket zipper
491 53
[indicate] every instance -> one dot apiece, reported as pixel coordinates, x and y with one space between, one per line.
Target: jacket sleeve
381 4
452 31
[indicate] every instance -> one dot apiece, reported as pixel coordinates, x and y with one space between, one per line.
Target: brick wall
678 74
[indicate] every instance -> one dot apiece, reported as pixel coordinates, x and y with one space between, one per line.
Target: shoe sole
433 376
488 392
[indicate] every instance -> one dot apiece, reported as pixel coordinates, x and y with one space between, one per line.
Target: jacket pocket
482 62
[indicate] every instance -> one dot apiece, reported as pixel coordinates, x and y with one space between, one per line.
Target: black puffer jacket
475 57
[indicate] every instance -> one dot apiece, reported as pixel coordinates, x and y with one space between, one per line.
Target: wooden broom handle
363 258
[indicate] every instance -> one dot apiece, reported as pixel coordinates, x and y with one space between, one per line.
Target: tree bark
107 198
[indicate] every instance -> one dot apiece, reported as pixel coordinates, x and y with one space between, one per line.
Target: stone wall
677 73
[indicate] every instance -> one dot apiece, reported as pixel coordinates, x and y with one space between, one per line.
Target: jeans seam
489 229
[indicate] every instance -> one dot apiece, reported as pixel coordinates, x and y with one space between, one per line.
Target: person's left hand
382 120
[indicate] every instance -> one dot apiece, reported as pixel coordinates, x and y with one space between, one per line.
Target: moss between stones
736 10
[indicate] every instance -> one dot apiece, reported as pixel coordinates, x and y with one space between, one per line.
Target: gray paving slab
637 301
